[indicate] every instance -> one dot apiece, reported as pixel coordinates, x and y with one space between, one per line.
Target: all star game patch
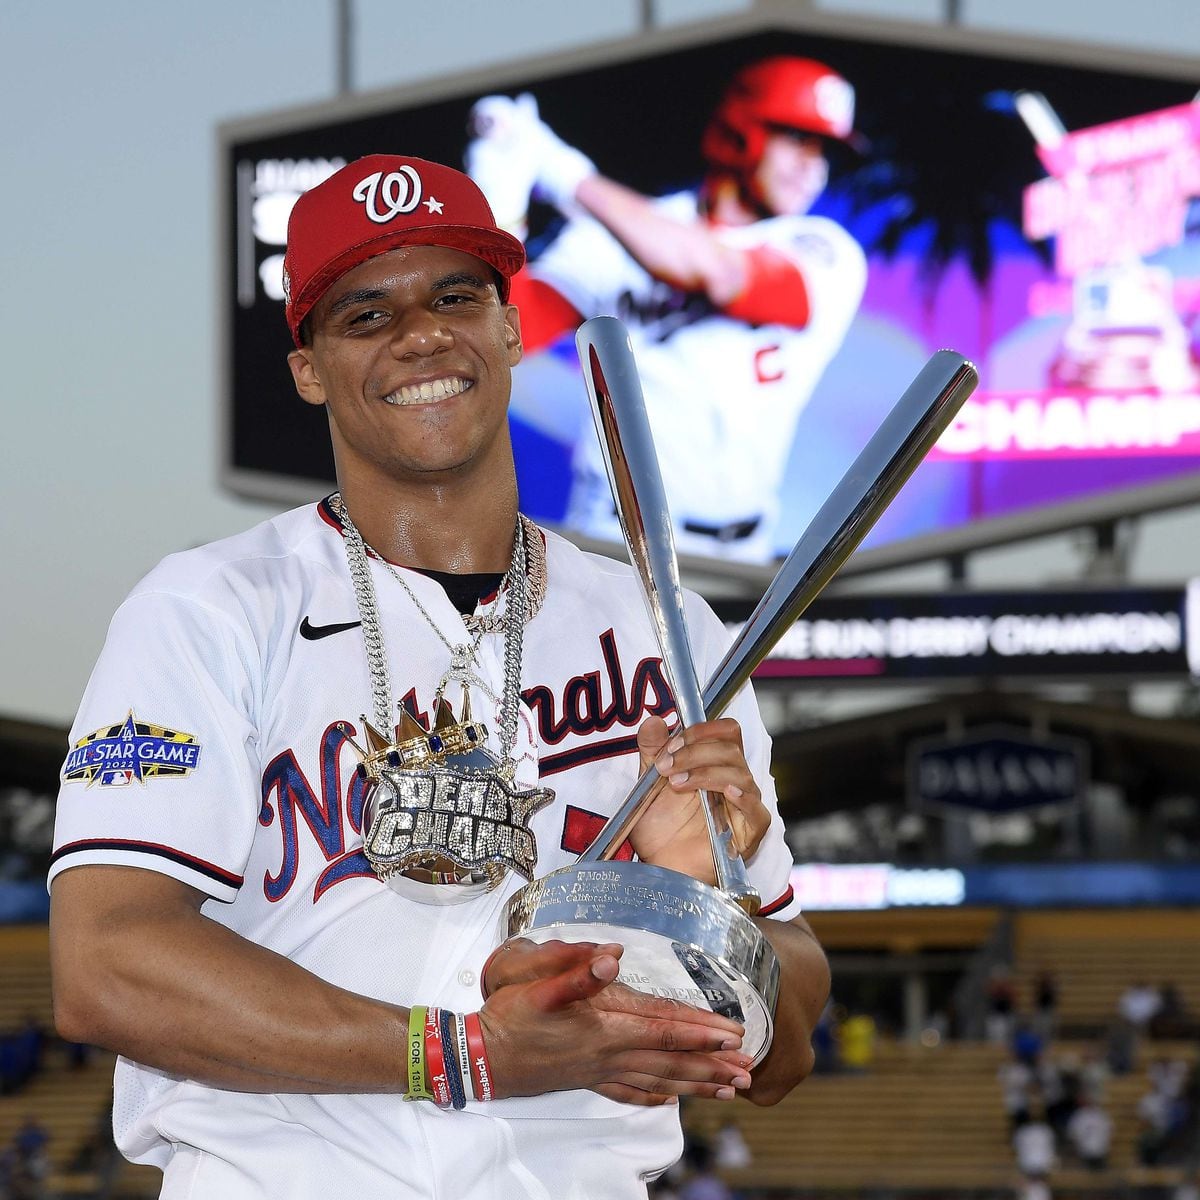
116 755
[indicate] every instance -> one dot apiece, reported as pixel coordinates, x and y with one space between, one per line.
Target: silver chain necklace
513 587
439 807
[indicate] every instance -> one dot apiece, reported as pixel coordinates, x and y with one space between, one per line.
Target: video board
1041 219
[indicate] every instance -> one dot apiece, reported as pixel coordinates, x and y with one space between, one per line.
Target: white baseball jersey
722 396
208 748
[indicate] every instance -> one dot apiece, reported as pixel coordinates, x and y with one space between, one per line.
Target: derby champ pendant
442 809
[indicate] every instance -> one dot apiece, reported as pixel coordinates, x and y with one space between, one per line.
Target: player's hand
503 156
520 960
561 168
556 1020
671 832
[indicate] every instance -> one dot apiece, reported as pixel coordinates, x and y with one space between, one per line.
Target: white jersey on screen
208 747
723 396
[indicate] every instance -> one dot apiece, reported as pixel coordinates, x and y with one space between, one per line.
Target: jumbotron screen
789 225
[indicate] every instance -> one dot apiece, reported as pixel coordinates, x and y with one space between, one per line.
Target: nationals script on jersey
208 748
723 396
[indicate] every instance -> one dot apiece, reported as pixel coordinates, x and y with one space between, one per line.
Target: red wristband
435 1058
481 1069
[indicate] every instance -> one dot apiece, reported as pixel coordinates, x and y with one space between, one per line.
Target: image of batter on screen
736 297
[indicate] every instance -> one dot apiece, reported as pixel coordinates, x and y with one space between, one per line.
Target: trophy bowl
684 940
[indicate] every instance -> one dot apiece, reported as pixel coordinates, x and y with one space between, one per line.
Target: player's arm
139 969
803 991
758 285
514 155
687 256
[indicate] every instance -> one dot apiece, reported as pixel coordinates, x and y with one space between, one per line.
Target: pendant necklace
441 808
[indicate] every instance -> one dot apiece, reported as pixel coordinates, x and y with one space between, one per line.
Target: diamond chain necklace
514 586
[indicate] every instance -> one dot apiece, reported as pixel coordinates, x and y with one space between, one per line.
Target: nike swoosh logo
314 633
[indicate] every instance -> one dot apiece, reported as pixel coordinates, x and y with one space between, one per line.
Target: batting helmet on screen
782 92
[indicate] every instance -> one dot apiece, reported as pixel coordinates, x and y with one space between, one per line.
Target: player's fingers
748 818
722 730
624 1094
675 1037
685 1075
722 759
579 982
652 736
618 998
520 960
700 1091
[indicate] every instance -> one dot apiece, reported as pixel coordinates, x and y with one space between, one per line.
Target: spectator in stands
30 1144
1033 1142
32 1040
1045 1004
20 1055
78 1054
1157 1115
1089 1132
1027 1044
730 1151
1171 1020
9 1073
1016 1083
1122 1046
1001 999
1033 1189
1094 1073
1140 1002
1059 1095
824 1040
701 1181
1168 1076
856 1042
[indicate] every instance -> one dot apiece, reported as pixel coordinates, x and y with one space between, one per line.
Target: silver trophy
685 939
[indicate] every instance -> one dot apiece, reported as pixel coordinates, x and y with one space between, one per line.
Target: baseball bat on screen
619 410
882 467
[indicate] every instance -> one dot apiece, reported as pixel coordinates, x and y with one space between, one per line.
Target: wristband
435 1053
417 1089
458 1095
464 1055
481 1069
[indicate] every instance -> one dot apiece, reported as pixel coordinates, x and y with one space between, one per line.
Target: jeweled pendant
442 809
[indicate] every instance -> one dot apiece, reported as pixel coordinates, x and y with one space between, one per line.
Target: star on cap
434 205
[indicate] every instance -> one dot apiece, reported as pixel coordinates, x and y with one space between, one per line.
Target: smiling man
288 926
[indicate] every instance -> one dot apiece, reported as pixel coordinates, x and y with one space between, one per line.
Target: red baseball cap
378 203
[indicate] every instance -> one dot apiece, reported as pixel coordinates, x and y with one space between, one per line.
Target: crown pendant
440 807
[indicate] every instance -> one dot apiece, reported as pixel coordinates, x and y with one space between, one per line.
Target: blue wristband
454 1068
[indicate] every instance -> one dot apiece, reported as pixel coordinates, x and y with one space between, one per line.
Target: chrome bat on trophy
633 473
684 938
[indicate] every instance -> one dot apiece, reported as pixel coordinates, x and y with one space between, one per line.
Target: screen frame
1034 522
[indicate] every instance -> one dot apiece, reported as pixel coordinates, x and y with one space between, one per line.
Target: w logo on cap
387 196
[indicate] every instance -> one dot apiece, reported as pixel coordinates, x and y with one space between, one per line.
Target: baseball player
736 299
293 1018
